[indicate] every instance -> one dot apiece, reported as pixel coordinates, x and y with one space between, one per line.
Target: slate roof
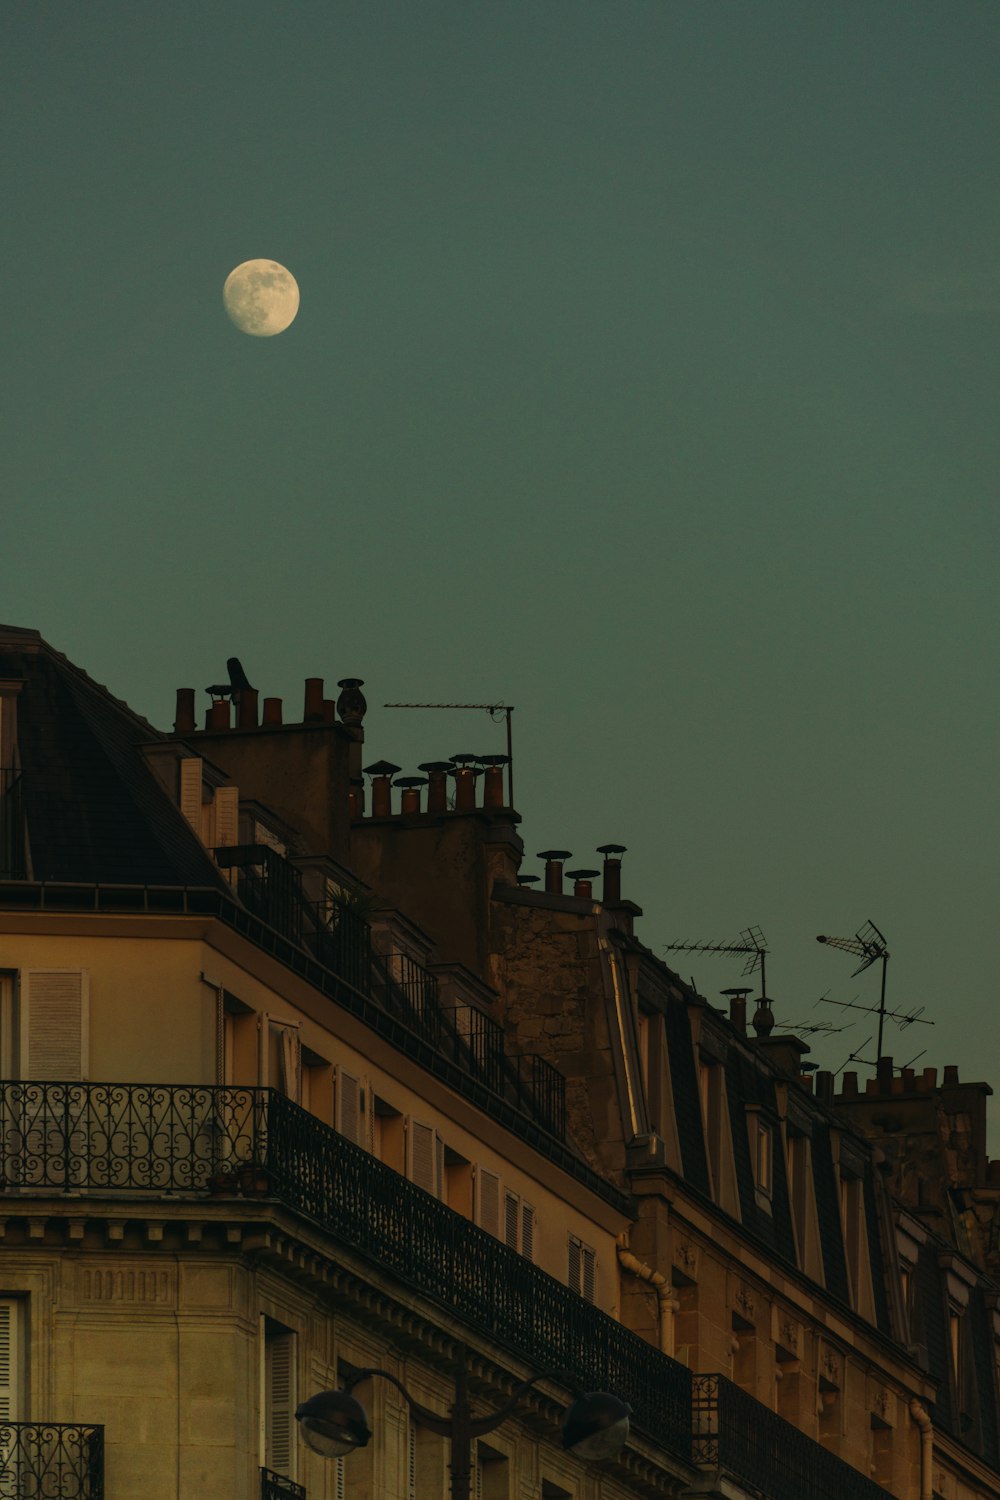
94 811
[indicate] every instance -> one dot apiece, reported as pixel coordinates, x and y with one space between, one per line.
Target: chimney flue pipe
554 860
612 872
381 773
312 712
437 784
272 711
184 721
246 708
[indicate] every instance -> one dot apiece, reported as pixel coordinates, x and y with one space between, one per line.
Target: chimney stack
612 893
246 708
554 859
738 1007
272 711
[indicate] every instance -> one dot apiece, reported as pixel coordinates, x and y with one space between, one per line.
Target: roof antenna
494 710
753 944
869 944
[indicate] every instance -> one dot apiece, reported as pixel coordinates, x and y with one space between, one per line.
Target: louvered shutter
226 816
411 1462
589 1269
355 1114
422 1152
574 1265
54 1024
191 791
10 1403
488 1200
291 1064
279 1356
510 1207
527 1231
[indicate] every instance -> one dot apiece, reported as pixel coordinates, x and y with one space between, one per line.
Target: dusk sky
645 378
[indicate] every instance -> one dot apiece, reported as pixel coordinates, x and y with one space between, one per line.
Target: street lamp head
596 1426
333 1423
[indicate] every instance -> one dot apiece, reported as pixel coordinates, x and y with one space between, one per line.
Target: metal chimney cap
738 990
528 879
410 781
554 854
381 768
351 682
612 848
435 765
493 760
583 874
465 760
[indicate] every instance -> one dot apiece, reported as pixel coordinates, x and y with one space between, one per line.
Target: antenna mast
869 944
753 944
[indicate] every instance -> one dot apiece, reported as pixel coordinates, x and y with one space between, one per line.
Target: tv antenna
494 710
751 942
869 944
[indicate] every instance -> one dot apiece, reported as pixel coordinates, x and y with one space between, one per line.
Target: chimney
849 1086
465 782
356 798
312 713
493 795
582 887
218 714
272 711
410 787
246 708
351 705
329 710
437 784
554 859
612 872
929 1077
993 1173
950 1080
883 1075
824 1086
184 721
738 1007
381 773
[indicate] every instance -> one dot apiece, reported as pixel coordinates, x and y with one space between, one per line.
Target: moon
261 297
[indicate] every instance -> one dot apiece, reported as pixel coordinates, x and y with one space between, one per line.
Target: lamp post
334 1423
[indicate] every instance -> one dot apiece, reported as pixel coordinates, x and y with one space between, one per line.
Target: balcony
183 1140
53 1459
276 1487
736 1435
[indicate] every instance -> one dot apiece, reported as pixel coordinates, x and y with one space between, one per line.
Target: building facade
301 1078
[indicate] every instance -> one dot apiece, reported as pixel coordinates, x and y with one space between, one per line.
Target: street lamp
334 1422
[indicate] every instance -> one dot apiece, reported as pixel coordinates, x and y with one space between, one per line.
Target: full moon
261 297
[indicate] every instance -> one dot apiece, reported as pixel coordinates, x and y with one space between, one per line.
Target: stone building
300 1078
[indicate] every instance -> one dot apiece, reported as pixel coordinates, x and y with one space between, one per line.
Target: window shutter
54 1024
279 1351
527 1231
191 791
423 1155
411 1463
589 1260
488 1200
226 816
9 1362
574 1264
349 1106
290 1051
510 1206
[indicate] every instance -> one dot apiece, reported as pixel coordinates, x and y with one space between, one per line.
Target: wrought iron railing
738 1435
511 1109
342 941
545 1086
268 885
51 1459
276 1487
113 1137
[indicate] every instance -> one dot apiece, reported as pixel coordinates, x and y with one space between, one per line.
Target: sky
645 378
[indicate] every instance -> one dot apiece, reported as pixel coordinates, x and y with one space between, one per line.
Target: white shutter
421 1150
54 1024
488 1200
574 1265
290 1053
226 816
10 1361
589 1273
191 791
355 1116
279 1376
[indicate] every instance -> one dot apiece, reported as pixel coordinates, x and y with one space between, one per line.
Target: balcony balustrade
276 1487
737 1435
169 1140
39 1460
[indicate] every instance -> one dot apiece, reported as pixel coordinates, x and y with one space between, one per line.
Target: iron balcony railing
181 1139
736 1434
51 1459
276 1487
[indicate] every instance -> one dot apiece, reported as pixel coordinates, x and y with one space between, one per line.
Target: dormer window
761 1135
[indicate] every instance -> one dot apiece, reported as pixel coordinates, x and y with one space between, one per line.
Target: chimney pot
410 788
872 1087
554 860
351 705
465 783
883 1075
184 721
612 889
824 1086
849 1086
246 708
313 711
437 784
582 883
218 714
493 793
929 1080
329 710
950 1076
272 711
907 1078
381 773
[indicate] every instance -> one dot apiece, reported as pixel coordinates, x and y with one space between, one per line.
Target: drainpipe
666 1303
918 1412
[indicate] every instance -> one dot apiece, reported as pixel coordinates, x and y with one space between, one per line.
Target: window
852 1210
802 1201
761 1156
11 1355
492 1474
277 1405
582 1269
